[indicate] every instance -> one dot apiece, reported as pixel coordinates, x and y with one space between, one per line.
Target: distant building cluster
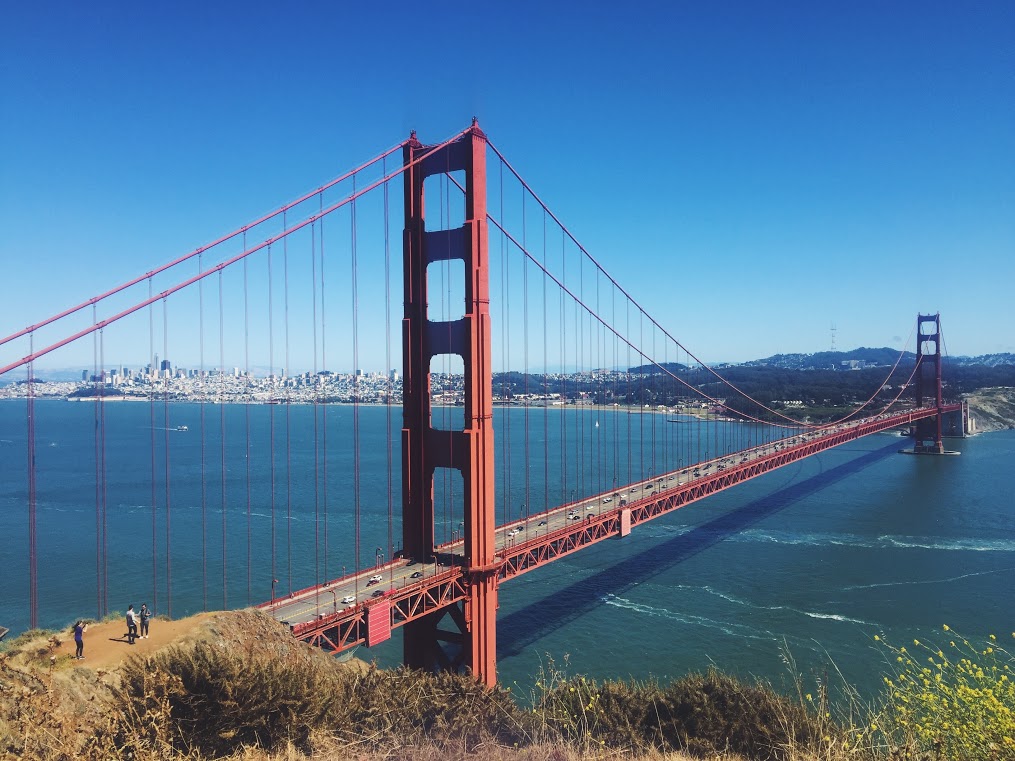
855 364
161 378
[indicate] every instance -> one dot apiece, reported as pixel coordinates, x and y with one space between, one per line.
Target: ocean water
813 559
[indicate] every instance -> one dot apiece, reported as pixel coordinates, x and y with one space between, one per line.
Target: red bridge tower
470 450
928 363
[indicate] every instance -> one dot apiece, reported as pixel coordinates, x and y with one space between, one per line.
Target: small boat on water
182 428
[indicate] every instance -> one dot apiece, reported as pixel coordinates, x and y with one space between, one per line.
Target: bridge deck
340 613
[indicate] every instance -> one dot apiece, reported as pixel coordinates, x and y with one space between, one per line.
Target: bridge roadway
362 608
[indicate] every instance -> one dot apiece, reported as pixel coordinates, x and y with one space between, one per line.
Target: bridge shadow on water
520 629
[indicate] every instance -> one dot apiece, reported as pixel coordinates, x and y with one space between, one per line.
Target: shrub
17 644
703 714
955 699
212 700
721 714
414 706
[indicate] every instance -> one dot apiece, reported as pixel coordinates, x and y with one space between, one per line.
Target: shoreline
993 409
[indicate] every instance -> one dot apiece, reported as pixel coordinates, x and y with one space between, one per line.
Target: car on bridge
375 579
607 499
416 575
349 599
541 523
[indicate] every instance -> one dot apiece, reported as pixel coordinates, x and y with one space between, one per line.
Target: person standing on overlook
79 639
131 625
144 614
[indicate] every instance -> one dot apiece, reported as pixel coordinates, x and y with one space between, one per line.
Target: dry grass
703 715
240 687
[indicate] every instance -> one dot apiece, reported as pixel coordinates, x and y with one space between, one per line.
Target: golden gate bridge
489 275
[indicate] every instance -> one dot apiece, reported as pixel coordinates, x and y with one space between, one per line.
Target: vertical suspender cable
664 382
546 390
204 463
354 277
652 388
694 428
246 412
387 361
597 398
165 432
616 388
525 348
151 426
627 377
324 406
33 565
580 339
102 452
95 435
641 401
506 331
288 429
563 373
222 443
317 400
271 418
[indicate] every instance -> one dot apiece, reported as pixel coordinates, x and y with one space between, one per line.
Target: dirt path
106 643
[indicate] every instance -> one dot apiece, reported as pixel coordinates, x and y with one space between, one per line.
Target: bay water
813 560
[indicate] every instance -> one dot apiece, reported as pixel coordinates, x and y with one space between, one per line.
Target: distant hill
868 357
661 368
987 360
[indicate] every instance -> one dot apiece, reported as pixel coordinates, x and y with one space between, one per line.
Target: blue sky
752 173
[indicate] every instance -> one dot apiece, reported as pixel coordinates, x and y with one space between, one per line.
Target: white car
349 599
375 579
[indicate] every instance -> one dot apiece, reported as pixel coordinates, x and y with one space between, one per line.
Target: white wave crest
885 541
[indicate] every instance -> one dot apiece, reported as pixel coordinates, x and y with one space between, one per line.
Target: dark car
416 575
